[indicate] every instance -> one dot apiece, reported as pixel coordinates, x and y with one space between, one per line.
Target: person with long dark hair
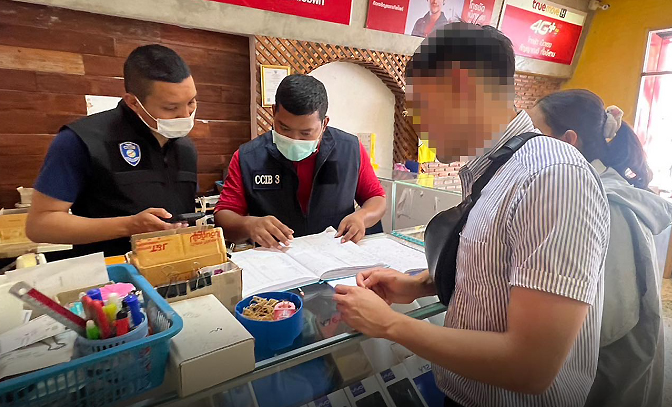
630 363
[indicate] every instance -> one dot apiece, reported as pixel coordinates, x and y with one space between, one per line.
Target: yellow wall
613 56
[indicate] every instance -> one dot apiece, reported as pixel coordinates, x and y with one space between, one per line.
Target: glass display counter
413 199
416 201
328 355
319 362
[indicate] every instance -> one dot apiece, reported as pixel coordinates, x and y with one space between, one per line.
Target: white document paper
307 260
64 275
11 309
349 281
396 255
37 330
328 258
49 352
97 104
270 270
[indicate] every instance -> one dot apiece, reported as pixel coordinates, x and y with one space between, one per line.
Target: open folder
306 260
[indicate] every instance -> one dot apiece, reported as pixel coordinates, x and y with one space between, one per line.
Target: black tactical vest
131 172
271 183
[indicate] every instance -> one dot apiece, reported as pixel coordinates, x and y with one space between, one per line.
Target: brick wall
530 88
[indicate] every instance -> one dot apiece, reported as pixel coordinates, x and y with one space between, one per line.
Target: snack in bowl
257 314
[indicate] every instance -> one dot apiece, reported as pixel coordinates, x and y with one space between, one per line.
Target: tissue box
212 347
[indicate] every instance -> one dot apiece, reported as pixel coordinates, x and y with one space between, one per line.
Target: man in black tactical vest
301 177
126 170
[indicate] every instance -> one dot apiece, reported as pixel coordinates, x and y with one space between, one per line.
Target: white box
367 393
211 348
335 399
399 389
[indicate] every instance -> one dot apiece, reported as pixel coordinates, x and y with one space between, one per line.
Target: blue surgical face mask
294 150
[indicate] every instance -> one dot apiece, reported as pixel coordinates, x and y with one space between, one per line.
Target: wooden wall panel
50 58
31 59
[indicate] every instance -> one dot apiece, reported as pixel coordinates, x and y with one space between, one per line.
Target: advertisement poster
412 17
478 11
543 30
334 11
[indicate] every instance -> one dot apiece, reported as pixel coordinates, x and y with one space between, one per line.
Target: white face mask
171 128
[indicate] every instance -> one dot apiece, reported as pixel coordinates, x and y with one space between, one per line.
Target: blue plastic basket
106 377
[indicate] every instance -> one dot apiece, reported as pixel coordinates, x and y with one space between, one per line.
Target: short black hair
302 95
483 48
151 63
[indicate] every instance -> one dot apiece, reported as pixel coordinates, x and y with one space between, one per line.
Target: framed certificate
271 76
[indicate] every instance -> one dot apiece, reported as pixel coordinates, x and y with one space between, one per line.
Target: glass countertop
323 333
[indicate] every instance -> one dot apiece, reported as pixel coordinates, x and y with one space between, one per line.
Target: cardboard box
227 286
212 347
13 228
176 255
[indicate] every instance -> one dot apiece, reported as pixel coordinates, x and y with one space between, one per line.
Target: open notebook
310 259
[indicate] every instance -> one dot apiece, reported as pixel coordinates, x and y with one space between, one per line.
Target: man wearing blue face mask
126 170
301 177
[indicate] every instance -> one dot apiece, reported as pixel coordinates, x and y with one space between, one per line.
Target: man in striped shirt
522 327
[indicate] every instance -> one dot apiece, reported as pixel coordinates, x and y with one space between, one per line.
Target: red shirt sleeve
368 185
232 197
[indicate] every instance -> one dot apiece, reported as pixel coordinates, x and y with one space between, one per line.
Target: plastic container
273 335
85 347
109 376
26 195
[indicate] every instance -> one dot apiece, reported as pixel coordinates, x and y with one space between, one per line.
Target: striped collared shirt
542 223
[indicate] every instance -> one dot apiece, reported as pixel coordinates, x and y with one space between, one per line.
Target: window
654 108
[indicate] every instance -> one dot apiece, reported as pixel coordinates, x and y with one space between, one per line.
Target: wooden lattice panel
304 57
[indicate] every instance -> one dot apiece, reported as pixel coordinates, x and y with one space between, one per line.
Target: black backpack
442 235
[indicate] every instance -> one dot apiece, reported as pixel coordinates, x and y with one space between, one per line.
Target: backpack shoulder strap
499 158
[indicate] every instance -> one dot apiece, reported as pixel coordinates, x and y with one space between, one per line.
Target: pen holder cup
273 335
85 347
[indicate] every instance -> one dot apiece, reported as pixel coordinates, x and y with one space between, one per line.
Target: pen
92 331
101 319
95 294
134 305
114 299
121 323
111 312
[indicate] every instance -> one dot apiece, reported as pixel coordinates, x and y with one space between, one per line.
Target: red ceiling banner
543 30
334 11
412 17
478 11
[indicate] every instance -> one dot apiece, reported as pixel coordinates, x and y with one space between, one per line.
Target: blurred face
458 111
306 127
166 101
435 6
